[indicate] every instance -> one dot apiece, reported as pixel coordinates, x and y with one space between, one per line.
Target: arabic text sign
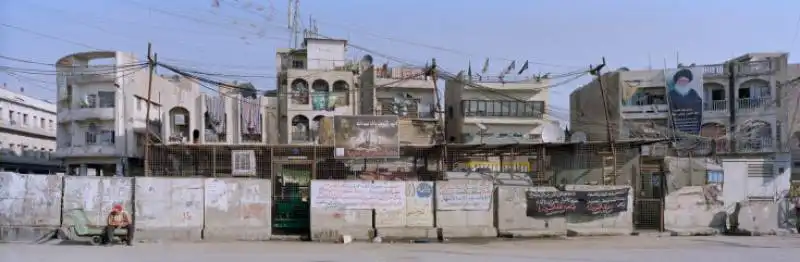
464 195
356 194
591 203
551 203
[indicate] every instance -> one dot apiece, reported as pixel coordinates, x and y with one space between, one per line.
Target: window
298 64
106 99
24 119
90 101
41 123
105 137
243 163
533 109
50 124
91 138
139 104
11 117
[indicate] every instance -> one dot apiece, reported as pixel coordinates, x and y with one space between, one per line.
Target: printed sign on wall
464 196
358 195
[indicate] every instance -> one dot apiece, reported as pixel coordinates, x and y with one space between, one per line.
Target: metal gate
291 197
648 204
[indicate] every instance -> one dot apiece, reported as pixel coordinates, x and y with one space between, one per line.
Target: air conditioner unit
243 163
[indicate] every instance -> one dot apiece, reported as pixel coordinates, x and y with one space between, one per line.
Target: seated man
118 218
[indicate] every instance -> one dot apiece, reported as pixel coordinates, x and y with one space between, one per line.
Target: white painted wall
325 54
739 185
33 125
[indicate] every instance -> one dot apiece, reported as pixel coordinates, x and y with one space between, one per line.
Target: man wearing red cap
118 218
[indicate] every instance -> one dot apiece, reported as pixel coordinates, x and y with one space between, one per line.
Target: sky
240 37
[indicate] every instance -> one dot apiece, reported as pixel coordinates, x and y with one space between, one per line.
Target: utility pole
151 62
440 136
597 71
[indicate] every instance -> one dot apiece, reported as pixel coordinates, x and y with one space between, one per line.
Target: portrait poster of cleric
685 94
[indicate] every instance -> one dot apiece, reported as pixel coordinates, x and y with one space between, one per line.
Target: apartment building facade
314 82
489 109
27 133
741 109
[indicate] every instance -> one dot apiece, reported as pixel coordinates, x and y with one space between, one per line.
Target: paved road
619 249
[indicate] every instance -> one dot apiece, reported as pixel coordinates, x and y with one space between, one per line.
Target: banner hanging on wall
366 137
590 203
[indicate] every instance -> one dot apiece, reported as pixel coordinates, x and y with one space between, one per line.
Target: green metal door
291 214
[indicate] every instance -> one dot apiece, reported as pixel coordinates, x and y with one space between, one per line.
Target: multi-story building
102 104
313 82
496 110
740 112
27 133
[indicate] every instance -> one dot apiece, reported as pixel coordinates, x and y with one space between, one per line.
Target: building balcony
28 129
301 137
84 114
645 109
93 74
753 104
754 68
30 157
717 70
757 145
716 106
403 77
97 150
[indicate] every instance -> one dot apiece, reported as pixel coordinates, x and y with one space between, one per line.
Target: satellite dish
623 69
578 137
552 134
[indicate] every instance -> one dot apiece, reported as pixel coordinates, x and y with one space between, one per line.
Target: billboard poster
685 94
366 137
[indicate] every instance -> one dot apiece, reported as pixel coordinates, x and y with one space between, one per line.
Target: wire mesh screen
265 161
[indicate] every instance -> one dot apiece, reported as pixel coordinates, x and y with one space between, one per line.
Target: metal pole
151 61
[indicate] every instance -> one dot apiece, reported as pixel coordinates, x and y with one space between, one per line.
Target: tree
248 90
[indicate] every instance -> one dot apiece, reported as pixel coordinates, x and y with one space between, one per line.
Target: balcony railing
754 68
757 145
715 105
510 78
416 73
754 103
301 137
714 70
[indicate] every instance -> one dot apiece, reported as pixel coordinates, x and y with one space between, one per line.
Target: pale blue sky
236 38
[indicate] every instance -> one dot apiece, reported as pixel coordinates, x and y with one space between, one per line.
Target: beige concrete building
101 125
27 133
741 116
488 110
313 82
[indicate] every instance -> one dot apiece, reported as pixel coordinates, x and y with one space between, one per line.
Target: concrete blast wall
30 205
613 224
695 210
96 196
169 208
344 207
238 209
464 208
512 217
414 220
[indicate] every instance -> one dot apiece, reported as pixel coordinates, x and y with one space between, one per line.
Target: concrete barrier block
30 206
619 224
694 210
344 208
415 221
464 208
169 208
237 209
96 196
513 220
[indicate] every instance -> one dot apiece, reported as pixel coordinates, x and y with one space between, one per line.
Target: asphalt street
616 249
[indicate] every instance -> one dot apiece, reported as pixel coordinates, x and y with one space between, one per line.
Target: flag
469 70
510 68
485 66
524 67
